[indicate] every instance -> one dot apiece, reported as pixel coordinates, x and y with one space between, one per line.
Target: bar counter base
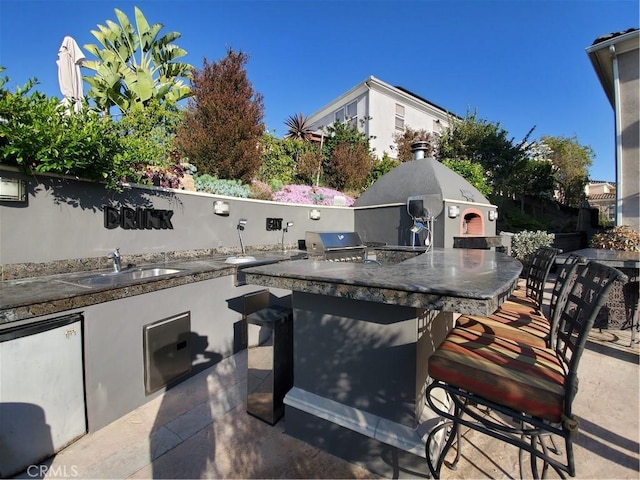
411 440
377 457
360 375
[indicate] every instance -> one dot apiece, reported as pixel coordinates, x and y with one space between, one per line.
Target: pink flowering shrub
308 195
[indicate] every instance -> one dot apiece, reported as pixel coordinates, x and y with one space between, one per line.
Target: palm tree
298 127
129 82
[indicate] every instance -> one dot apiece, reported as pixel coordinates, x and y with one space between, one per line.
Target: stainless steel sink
118 278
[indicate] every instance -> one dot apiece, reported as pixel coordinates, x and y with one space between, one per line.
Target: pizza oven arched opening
472 223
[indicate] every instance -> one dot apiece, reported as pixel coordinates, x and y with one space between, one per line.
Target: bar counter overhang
363 334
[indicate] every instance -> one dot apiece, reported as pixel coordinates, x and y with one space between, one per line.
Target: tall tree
472 172
348 159
536 178
135 66
223 122
480 141
571 163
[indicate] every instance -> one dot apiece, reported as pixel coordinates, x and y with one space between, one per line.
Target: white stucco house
380 110
615 59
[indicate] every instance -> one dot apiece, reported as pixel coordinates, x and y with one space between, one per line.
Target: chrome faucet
241 224
117 259
285 230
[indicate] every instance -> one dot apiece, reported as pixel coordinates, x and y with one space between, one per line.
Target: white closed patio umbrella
70 57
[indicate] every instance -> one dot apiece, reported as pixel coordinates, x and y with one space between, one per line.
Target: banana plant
135 65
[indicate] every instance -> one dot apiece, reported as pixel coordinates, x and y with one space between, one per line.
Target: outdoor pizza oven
421 203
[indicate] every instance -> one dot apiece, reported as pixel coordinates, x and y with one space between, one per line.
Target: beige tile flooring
200 429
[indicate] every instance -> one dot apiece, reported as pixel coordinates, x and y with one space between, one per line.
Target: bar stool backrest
538 272
564 281
587 295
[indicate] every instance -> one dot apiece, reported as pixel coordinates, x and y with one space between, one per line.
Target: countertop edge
440 302
65 295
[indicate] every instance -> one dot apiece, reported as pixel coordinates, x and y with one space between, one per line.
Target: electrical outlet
274 224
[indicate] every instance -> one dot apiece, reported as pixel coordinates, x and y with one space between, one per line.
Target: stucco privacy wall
64 219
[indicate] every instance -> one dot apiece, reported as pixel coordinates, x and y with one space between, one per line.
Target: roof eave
602 60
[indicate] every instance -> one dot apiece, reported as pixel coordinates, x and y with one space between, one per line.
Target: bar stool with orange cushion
524 305
527 390
532 328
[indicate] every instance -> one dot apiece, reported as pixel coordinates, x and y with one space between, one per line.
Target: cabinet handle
69 332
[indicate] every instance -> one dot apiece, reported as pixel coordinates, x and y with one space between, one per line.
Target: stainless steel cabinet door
42 404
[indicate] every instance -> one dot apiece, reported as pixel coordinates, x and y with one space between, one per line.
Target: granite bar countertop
456 280
26 298
477 278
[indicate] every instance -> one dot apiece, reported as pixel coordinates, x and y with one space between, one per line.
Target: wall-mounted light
314 214
12 190
453 211
492 215
221 208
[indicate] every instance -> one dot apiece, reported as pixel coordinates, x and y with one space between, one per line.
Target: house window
352 114
347 114
399 117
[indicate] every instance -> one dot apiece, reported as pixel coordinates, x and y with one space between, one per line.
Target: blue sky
521 63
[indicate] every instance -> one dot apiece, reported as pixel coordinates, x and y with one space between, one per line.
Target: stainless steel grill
335 246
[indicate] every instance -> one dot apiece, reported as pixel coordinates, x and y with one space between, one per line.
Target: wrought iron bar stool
531 327
531 297
523 309
533 386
